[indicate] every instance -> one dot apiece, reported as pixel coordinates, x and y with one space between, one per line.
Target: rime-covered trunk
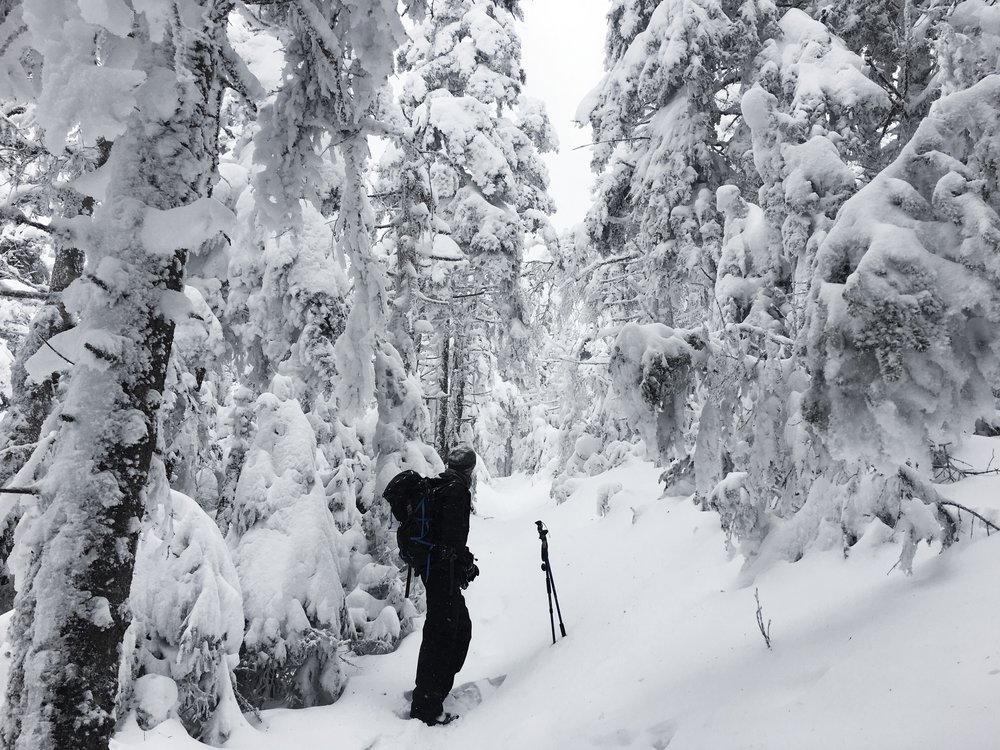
74 586
31 401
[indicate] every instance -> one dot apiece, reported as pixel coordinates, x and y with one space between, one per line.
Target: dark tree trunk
444 399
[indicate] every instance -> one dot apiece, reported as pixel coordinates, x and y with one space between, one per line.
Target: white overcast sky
563 56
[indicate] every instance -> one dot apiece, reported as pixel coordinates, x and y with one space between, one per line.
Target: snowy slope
663 647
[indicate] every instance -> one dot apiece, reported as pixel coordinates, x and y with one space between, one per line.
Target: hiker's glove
469 574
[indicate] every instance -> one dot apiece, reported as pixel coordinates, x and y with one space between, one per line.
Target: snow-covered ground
663 647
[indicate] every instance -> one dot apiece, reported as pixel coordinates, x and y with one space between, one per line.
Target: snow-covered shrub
743 515
652 369
379 614
538 451
287 550
187 621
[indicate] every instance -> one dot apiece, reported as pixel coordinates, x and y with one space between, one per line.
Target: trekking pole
550 583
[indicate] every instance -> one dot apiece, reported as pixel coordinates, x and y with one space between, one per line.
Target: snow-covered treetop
468 47
679 48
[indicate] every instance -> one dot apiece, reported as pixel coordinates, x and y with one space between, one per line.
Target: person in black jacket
447 629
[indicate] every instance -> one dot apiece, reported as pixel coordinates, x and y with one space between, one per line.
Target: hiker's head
462 459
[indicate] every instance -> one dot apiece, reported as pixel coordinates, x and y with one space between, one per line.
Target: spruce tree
462 93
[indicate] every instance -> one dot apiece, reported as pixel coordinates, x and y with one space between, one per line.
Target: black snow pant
447 633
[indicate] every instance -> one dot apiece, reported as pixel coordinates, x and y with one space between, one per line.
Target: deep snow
663 646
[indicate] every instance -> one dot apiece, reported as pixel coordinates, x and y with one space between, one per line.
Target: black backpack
411 498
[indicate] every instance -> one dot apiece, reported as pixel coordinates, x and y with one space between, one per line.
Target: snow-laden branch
10 294
777 338
923 490
613 140
587 270
7 213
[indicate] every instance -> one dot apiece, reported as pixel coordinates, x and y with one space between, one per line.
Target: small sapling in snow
764 630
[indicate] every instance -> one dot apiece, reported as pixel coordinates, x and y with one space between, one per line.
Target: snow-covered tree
462 93
812 113
897 40
187 626
149 81
904 305
654 118
285 546
309 303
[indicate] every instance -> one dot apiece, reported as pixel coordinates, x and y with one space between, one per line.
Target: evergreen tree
654 118
187 626
160 105
285 547
462 93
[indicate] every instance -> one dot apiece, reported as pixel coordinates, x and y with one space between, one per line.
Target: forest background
227 325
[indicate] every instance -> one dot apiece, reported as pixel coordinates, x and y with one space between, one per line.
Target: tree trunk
444 400
72 609
31 402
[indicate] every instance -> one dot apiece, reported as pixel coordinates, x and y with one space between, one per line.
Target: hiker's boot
433 721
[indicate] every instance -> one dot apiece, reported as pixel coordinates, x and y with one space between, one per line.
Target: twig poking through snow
764 631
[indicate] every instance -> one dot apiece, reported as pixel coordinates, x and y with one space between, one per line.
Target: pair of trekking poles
550 584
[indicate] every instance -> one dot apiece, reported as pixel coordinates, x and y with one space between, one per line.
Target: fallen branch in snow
943 464
764 631
988 523
922 489
18 491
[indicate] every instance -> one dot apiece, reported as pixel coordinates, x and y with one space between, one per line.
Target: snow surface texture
663 646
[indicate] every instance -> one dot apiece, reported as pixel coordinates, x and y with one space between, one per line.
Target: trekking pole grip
543 534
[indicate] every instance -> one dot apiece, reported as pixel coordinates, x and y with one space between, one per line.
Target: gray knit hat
462 458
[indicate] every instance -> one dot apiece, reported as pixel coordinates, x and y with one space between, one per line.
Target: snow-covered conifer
896 39
187 626
285 546
159 103
654 118
462 85
900 345
812 113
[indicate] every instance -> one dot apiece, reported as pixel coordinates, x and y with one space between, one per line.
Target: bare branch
764 631
987 522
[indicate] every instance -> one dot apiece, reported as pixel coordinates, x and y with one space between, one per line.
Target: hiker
447 629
